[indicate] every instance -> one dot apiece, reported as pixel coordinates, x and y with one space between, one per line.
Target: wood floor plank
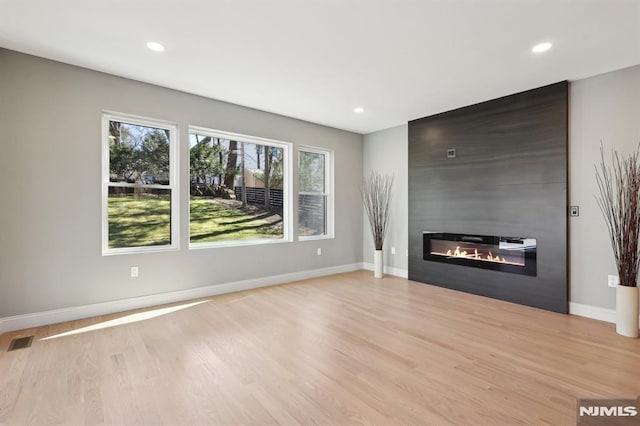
345 349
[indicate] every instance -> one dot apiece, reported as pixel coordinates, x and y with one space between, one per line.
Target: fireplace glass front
507 254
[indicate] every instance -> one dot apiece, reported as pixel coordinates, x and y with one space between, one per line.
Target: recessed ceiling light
156 47
542 47
358 110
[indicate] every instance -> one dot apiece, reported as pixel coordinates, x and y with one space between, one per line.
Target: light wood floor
336 350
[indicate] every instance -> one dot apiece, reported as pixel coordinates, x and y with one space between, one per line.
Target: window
315 193
239 189
139 196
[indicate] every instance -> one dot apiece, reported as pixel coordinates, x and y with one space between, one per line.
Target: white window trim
287 186
329 168
174 143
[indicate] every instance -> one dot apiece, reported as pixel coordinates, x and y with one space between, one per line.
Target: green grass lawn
214 220
139 221
145 221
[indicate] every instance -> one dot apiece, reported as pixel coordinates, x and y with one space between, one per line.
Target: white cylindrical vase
627 311
377 264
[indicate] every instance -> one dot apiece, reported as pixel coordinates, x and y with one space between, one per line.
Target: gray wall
605 109
602 108
50 190
386 152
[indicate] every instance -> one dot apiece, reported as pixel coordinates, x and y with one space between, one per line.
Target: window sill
139 250
315 237
199 246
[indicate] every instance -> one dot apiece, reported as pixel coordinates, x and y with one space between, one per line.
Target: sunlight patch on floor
128 319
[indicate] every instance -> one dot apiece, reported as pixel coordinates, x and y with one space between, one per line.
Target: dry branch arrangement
376 196
619 201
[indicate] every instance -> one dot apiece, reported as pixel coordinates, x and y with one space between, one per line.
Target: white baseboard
398 272
593 312
38 319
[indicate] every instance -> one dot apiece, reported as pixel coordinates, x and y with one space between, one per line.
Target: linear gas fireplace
507 254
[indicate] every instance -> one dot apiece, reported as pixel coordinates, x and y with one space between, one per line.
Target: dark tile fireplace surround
488 198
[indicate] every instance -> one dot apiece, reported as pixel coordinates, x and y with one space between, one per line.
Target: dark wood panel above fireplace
495 168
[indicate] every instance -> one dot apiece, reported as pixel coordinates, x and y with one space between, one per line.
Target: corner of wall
386 151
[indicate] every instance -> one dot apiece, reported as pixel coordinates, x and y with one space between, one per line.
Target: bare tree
114 132
220 160
232 160
267 173
244 184
258 153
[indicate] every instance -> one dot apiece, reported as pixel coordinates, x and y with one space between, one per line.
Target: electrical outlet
135 271
393 250
407 253
613 280
319 251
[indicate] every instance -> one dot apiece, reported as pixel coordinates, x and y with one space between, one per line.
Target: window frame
287 186
173 187
329 186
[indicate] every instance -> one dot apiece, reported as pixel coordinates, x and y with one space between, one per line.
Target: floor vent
20 343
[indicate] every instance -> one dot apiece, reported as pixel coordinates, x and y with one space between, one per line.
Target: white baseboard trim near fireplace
593 312
398 272
37 319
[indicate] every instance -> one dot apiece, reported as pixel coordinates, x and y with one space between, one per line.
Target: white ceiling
318 59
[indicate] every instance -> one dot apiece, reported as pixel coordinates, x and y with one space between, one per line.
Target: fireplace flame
463 253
